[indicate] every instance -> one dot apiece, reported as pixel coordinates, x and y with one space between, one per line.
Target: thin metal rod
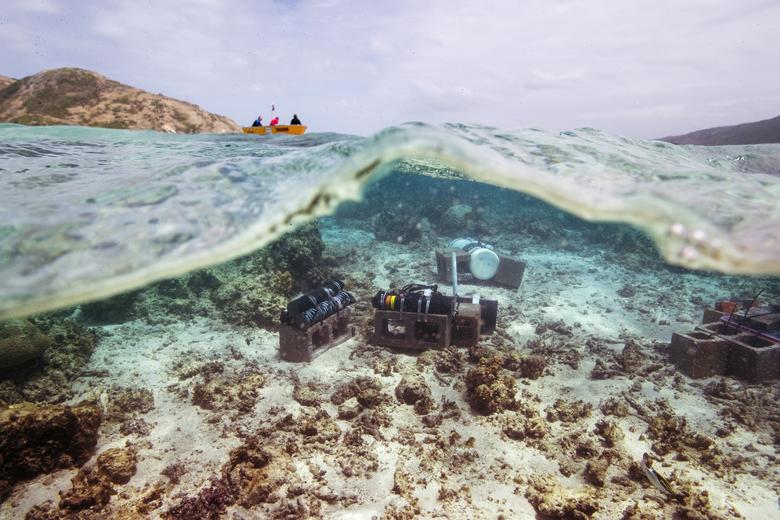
454 274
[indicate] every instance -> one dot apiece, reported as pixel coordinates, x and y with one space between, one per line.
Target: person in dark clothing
258 121
295 120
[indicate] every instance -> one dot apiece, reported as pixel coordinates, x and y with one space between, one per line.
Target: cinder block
699 354
467 325
711 316
749 356
753 358
408 330
444 263
510 272
765 321
305 344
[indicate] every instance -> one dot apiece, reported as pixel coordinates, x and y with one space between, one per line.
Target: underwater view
436 321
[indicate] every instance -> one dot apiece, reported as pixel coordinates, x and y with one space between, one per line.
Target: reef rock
253 290
550 501
90 488
489 390
414 391
230 391
36 439
118 464
460 219
21 343
254 301
568 412
256 473
366 390
393 225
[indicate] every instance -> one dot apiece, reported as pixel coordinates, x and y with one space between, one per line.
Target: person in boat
258 121
295 120
275 121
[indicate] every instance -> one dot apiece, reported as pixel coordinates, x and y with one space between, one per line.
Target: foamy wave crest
87 213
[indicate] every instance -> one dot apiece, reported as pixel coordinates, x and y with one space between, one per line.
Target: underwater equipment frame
509 273
419 317
316 322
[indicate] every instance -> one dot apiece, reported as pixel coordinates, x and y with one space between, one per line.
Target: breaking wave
86 213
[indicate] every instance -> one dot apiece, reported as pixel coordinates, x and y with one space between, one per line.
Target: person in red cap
275 121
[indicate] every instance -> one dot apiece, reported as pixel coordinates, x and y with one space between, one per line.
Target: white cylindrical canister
461 243
483 263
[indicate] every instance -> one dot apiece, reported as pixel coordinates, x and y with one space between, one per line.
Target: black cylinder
326 308
412 302
313 298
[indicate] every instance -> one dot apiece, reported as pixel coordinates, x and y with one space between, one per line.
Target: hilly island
72 96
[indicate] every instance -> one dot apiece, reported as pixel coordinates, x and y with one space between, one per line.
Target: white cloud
35 6
641 68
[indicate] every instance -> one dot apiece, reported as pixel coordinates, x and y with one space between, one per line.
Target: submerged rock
90 488
65 347
551 501
256 300
366 390
414 391
117 309
568 411
118 464
228 391
394 225
36 439
21 343
460 219
489 390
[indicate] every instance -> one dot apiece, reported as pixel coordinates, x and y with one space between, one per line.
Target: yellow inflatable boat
278 129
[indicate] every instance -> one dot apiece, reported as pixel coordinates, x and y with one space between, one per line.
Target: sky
634 67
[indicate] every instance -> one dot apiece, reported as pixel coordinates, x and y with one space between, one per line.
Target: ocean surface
86 213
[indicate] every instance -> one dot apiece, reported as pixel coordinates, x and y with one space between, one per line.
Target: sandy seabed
578 385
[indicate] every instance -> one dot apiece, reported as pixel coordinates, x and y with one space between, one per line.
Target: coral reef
125 406
37 439
489 390
308 394
67 347
254 301
449 360
256 473
91 488
253 290
209 504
